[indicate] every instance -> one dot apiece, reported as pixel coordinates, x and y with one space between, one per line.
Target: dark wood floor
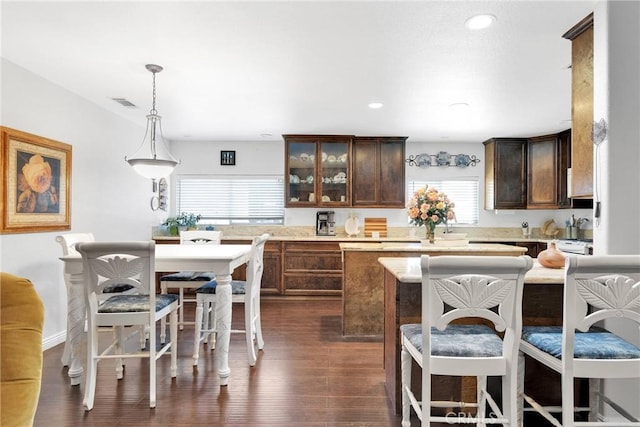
307 375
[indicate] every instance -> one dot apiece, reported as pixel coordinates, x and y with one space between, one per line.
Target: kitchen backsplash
393 232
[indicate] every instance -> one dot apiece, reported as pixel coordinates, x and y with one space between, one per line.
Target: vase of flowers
429 207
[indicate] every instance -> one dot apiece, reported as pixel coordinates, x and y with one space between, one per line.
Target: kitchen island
363 278
542 305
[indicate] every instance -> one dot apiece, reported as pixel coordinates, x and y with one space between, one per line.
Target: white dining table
218 259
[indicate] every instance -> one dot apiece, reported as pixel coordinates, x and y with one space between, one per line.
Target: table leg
76 314
223 326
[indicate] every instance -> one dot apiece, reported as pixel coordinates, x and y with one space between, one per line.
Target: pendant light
153 160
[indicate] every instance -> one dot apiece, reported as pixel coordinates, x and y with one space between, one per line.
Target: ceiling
249 71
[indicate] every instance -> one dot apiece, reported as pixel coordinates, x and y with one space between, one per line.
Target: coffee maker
325 224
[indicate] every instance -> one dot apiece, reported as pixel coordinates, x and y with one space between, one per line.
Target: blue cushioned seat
117 288
598 343
188 276
457 340
237 287
135 303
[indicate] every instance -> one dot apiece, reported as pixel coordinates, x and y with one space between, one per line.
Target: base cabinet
312 268
271 275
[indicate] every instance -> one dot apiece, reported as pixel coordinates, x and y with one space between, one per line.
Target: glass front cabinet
318 169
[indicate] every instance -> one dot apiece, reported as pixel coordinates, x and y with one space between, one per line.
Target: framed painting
35 186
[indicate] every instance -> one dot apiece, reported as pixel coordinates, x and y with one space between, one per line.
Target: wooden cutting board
375 224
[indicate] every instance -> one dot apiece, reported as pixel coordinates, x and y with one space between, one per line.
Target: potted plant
186 221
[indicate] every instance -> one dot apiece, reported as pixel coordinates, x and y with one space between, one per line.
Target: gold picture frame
35 190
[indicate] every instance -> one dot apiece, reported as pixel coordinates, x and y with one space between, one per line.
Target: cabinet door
334 175
272 273
392 164
301 172
378 172
505 173
365 173
318 169
581 36
542 172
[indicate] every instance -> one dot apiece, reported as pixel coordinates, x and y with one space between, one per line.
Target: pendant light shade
152 159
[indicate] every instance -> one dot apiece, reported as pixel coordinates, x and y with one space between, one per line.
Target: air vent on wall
124 102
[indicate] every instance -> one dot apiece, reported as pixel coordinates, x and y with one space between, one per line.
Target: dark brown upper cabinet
317 170
505 173
581 36
344 170
547 163
378 172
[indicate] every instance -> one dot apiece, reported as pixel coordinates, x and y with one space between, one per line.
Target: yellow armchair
21 321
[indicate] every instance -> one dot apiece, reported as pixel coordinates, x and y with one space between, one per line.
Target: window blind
464 193
232 199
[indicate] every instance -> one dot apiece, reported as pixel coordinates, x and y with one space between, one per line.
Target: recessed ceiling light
376 105
459 106
479 22
266 135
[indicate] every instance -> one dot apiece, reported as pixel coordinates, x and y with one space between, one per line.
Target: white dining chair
242 291
132 263
189 280
597 288
470 288
68 242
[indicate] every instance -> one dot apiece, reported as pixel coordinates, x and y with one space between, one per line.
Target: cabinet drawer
314 247
328 262
312 284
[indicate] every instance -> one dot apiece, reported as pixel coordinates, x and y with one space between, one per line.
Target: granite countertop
408 270
361 239
413 247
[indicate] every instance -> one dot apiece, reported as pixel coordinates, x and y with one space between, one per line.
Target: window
463 192
257 199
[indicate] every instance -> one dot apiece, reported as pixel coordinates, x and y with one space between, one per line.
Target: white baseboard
54 340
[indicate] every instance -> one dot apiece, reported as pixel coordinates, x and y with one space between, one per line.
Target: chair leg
163 321
250 332
520 390
568 417
481 384
595 403
406 360
91 370
211 324
173 324
152 367
119 337
181 308
510 398
258 322
198 331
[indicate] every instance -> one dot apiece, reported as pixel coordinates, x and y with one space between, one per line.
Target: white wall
616 63
267 157
107 197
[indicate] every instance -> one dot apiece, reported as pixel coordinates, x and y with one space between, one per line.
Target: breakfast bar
542 305
363 278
